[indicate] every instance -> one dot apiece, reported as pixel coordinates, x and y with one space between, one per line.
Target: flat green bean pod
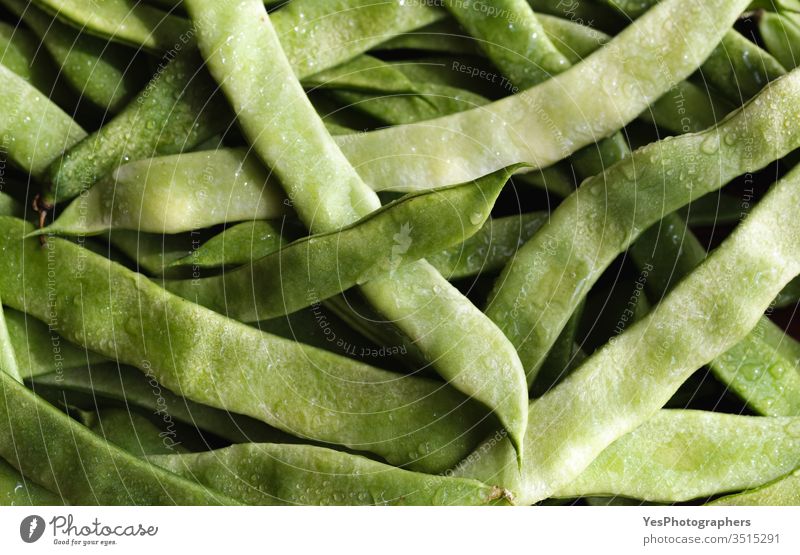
55 451
322 265
20 54
682 455
8 360
127 387
538 291
764 368
624 383
101 72
16 490
174 194
363 73
237 245
212 360
329 194
781 36
125 21
34 130
275 474
784 491
538 126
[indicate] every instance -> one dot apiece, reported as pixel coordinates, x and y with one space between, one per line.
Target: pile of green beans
427 255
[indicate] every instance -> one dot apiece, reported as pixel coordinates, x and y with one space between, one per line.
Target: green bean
101 72
34 130
612 209
56 452
128 388
16 490
329 194
784 491
165 118
513 39
490 249
583 13
237 245
441 36
39 350
322 265
20 54
221 363
624 383
714 209
363 73
757 368
274 474
737 67
538 126
9 206
8 360
125 21
780 35
154 253
132 432
173 194
682 455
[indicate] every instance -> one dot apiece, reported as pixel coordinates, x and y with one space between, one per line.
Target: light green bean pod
15 490
212 360
174 194
8 360
34 130
237 245
602 218
362 73
328 194
624 383
682 455
100 72
784 491
322 265
55 451
275 474
543 125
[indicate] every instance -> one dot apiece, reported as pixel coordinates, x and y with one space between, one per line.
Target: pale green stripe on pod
175 194
212 360
784 491
757 368
15 490
682 455
328 194
322 265
100 72
275 474
34 130
601 219
62 455
538 126
625 382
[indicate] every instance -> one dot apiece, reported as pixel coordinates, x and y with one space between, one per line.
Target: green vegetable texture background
399 253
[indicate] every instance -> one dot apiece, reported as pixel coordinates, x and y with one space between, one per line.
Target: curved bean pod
322 265
513 38
224 364
34 130
173 194
537 126
624 383
101 72
237 245
16 490
128 387
758 368
329 194
127 21
55 451
681 455
275 474
784 491
537 292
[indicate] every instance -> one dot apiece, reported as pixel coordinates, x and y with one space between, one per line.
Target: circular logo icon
31 528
